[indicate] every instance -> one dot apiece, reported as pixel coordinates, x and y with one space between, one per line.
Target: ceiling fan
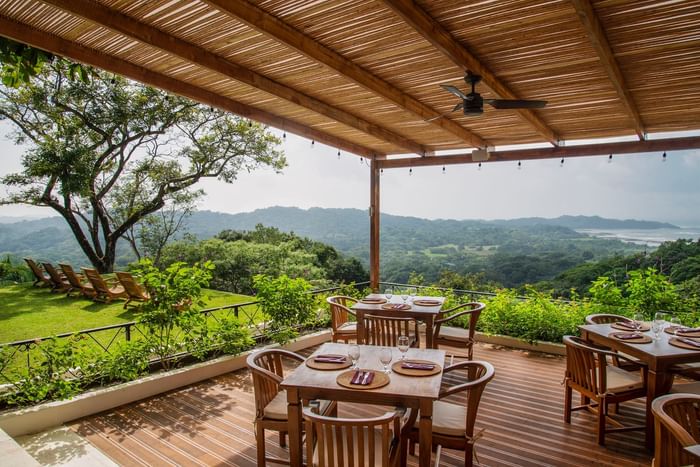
473 103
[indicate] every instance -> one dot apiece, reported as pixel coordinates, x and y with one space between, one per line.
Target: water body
649 237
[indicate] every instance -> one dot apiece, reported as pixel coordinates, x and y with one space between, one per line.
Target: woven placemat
327 366
396 306
410 372
373 301
380 379
642 339
678 343
426 302
644 327
672 330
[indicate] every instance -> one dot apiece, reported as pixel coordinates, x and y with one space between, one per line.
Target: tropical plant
107 153
286 302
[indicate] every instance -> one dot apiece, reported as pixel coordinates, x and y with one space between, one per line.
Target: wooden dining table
658 355
414 392
425 314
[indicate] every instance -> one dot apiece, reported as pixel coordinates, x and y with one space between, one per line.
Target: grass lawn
27 312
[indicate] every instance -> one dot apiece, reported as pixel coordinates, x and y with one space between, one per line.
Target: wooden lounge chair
40 277
133 290
77 281
104 290
59 283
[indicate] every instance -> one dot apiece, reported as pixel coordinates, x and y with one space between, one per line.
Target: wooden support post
374 226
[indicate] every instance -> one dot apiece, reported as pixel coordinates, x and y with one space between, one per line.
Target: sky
629 187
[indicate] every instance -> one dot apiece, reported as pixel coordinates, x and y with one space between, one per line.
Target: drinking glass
354 354
403 344
385 358
675 324
388 293
658 324
413 291
404 295
638 320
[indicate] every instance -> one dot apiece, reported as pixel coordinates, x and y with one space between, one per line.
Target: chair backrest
70 274
97 281
473 309
36 270
132 288
585 365
383 330
266 368
53 274
478 375
351 442
605 318
677 422
340 309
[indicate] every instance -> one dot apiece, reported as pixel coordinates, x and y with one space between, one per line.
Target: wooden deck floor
521 412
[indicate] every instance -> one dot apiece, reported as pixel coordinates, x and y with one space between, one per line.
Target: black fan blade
458 106
515 104
453 90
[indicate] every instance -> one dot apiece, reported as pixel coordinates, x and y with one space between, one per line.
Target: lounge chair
58 280
77 281
40 277
105 290
133 290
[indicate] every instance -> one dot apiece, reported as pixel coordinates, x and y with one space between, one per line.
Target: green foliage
175 297
128 361
11 273
287 302
649 292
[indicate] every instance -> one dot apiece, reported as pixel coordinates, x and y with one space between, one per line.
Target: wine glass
658 324
404 295
638 320
675 324
385 358
403 344
413 291
354 354
388 293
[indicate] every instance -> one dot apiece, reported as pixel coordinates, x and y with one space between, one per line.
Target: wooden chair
342 328
133 290
629 363
677 426
588 372
385 331
59 283
453 422
104 290
354 442
40 277
77 281
457 336
267 370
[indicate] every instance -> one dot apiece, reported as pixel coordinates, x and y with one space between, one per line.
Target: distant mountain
587 222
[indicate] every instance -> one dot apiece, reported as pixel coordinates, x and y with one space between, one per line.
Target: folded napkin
363 378
629 335
427 302
330 358
627 325
683 330
692 342
397 306
417 366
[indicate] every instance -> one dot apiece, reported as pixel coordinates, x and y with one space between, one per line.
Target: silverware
365 377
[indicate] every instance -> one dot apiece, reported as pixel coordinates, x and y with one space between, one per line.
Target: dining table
416 392
658 355
415 309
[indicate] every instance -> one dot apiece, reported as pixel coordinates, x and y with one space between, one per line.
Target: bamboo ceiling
364 76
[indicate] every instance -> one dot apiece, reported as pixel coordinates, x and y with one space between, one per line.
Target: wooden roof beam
442 40
279 30
59 46
602 149
600 43
123 24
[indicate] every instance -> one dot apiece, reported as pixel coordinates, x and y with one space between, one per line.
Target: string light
362 160
520 165
479 165
284 135
250 124
338 153
663 157
381 172
561 163
211 109
410 171
313 143
610 158
443 170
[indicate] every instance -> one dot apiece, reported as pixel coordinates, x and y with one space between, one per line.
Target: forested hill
587 222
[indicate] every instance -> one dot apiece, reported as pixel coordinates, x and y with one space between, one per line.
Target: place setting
328 362
373 300
427 302
632 330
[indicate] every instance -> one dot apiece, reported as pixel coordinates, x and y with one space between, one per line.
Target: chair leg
412 447
260 442
602 409
568 393
283 439
468 455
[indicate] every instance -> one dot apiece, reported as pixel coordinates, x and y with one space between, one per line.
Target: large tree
106 153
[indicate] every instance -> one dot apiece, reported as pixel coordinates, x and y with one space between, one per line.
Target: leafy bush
287 302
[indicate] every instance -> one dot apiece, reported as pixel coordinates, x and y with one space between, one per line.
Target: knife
365 378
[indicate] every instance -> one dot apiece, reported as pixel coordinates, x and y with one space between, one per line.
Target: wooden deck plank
521 412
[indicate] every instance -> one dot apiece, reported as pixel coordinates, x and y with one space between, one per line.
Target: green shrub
287 302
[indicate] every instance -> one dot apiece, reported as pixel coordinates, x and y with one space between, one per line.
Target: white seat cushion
451 332
277 408
620 380
448 419
377 455
349 327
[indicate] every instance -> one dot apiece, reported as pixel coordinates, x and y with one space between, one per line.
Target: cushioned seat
277 408
448 419
620 380
452 332
341 327
455 336
686 388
